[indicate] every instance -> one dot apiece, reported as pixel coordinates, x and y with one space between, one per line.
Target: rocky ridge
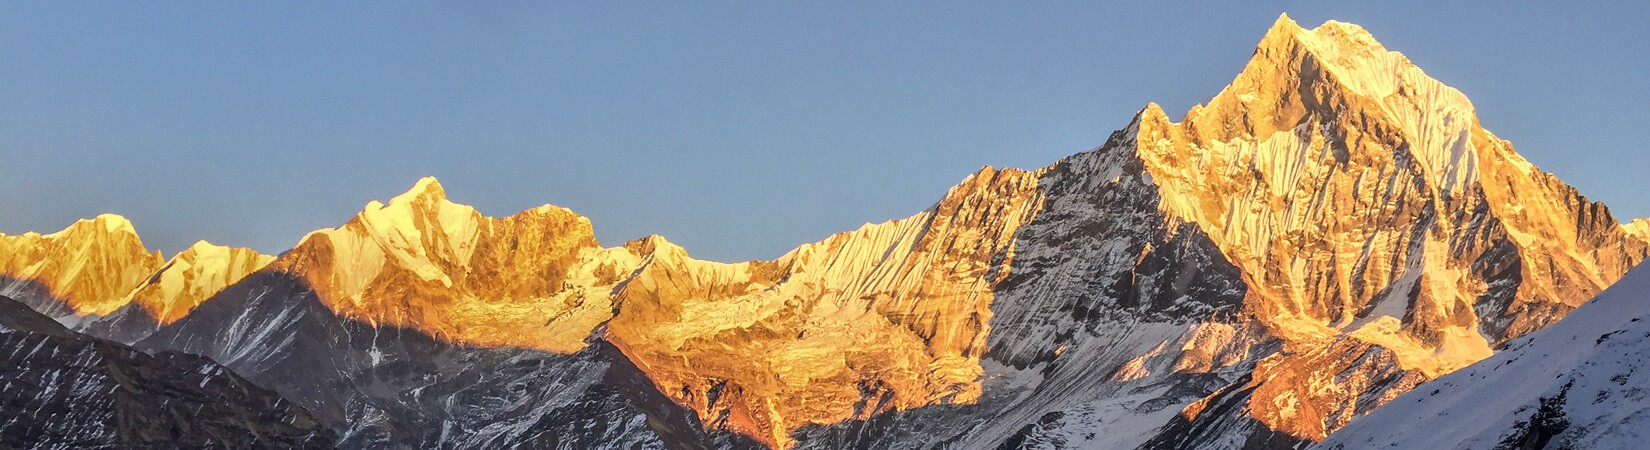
1639 228
99 270
1326 233
88 268
1576 384
67 390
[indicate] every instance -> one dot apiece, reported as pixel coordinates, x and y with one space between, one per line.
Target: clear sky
738 131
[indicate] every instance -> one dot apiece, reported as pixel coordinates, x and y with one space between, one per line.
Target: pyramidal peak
107 222
1338 74
1345 55
1345 47
427 188
401 213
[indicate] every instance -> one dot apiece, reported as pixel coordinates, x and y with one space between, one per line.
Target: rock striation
1576 384
1328 232
69 390
86 269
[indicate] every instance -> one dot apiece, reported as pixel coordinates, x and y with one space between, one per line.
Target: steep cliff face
1326 233
68 390
1105 298
535 280
1368 211
178 287
1639 228
1332 169
97 277
88 268
889 317
1579 383
192 276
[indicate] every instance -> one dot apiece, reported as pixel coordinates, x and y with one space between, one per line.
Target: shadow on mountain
390 386
68 390
1098 278
36 296
1220 418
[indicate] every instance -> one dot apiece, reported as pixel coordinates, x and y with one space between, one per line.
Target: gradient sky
738 131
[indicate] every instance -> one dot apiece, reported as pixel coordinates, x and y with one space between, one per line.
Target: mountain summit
99 267
1332 229
426 263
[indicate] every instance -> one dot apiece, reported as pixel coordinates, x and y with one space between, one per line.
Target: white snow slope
1579 383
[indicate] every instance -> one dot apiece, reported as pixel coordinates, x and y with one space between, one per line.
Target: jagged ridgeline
1324 234
67 390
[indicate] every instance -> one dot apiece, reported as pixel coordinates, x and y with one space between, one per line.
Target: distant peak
654 244
1284 26
1152 110
115 223
425 188
107 223
1347 34
202 245
1332 37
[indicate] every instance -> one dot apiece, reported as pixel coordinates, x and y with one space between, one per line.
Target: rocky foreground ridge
1579 383
67 390
1327 232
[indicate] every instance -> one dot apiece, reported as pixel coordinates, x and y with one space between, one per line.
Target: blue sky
738 130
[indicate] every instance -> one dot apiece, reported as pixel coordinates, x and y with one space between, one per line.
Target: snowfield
1579 383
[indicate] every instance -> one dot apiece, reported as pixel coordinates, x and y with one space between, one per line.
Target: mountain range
1328 232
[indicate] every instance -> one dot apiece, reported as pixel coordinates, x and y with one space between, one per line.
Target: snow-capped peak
88 266
1353 193
1639 228
192 276
108 222
1339 68
496 280
115 223
427 189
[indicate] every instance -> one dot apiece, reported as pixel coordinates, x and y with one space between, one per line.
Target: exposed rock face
67 390
1363 202
186 280
890 317
192 276
423 323
385 386
97 275
1326 233
1639 228
88 268
533 280
1579 383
